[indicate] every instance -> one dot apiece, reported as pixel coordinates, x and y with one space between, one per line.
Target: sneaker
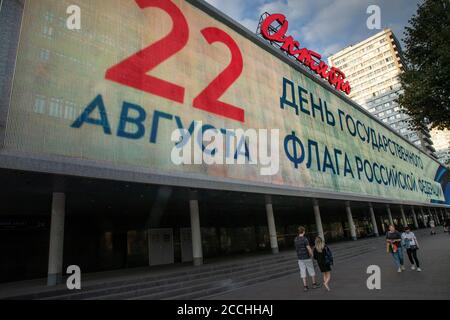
305 288
413 267
403 268
419 270
399 270
316 286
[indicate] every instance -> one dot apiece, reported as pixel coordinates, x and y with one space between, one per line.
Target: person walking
433 227
447 226
412 245
324 259
305 262
394 247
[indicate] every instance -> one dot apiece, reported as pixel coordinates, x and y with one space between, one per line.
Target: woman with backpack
324 259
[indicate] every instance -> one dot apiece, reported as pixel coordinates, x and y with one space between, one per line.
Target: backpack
328 256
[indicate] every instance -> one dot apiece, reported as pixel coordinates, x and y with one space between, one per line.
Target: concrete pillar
438 222
382 225
318 219
271 225
423 217
391 221
374 221
351 223
430 216
416 223
197 250
55 256
405 221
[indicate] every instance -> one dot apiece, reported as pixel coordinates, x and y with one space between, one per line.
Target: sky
325 26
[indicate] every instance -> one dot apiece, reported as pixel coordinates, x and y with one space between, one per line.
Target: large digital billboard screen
116 90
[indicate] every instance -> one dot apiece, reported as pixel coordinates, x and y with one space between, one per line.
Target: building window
55 108
48 31
44 54
49 16
70 111
39 104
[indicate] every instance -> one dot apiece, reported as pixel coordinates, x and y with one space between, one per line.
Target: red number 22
133 71
208 99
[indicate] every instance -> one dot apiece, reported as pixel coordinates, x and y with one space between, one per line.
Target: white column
318 219
416 224
374 220
391 221
55 256
271 225
437 216
350 220
405 221
423 218
442 215
197 250
382 225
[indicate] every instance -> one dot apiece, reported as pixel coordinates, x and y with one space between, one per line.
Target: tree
426 80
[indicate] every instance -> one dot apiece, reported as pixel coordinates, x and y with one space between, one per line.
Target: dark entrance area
114 225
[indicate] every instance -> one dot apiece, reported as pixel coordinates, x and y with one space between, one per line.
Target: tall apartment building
373 67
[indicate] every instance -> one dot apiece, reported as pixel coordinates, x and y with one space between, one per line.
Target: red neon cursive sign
309 58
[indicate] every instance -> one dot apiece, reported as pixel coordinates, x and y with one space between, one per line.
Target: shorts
306 265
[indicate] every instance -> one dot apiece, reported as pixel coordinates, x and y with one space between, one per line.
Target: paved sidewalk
349 277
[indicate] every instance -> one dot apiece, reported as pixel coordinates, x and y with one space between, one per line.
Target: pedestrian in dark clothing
324 259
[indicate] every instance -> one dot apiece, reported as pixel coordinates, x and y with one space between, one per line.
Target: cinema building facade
86 120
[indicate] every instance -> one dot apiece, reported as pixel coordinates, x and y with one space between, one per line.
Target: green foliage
426 81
